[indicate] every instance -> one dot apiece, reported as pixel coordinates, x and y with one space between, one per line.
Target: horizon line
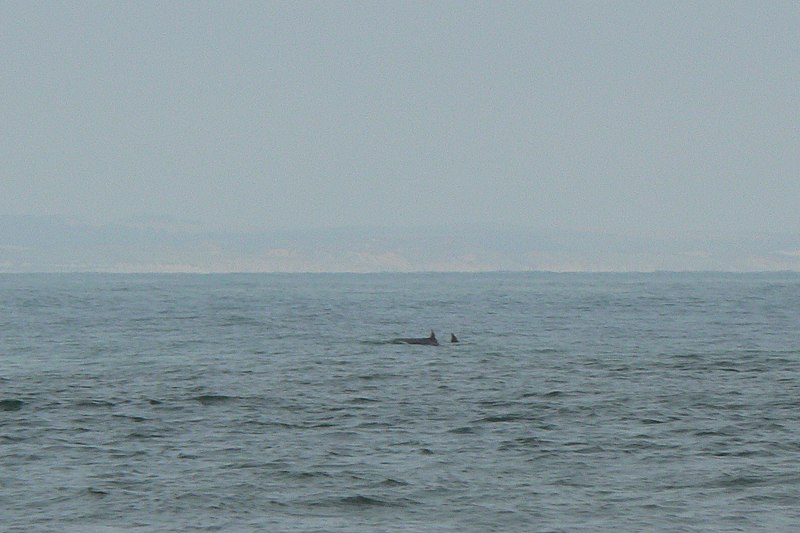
385 272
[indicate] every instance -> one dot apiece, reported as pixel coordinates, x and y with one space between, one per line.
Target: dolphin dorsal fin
433 335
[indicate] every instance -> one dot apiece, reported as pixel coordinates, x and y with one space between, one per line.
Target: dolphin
428 341
453 338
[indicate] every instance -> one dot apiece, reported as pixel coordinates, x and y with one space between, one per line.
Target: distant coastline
55 244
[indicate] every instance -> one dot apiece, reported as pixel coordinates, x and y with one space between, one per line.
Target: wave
214 399
11 405
362 501
94 403
508 417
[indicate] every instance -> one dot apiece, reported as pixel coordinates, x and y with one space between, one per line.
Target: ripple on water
11 405
215 399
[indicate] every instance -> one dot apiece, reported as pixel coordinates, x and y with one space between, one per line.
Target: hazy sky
642 118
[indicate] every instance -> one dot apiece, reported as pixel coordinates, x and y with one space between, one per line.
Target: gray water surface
658 402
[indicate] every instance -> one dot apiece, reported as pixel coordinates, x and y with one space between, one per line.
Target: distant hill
56 244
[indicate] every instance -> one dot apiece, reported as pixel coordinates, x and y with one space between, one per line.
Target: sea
278 402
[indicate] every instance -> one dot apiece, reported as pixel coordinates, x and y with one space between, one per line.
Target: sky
644 120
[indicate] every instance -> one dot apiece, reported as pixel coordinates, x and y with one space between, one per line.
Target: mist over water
277 403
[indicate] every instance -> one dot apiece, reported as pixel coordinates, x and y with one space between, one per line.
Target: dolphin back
427 341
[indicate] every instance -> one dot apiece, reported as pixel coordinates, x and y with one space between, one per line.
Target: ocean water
575 402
